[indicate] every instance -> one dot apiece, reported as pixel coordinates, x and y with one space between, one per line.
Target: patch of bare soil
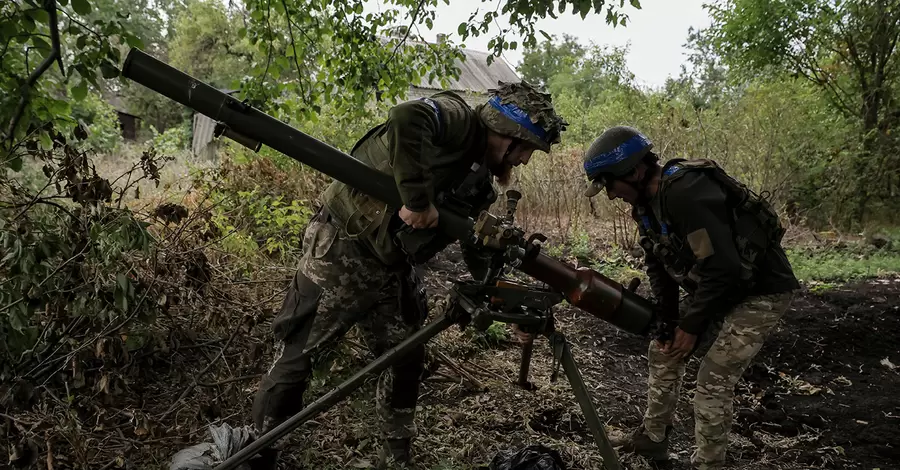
821 394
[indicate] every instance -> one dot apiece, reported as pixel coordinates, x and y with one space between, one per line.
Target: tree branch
290 22
50 6
408 29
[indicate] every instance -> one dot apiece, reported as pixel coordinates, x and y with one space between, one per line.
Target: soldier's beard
503 173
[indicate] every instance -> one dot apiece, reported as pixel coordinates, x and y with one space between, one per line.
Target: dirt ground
822 393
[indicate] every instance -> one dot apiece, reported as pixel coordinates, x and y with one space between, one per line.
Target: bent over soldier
358 266
707 233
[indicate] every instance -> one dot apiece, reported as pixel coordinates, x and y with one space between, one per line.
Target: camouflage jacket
429 146
691 239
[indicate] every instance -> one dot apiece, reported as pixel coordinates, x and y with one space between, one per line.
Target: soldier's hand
425 219
681 346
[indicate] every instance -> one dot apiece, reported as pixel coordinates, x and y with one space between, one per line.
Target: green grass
844 265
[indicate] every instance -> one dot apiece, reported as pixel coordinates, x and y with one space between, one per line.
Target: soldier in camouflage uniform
360 256
705 232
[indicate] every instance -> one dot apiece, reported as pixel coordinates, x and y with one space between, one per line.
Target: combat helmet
522 111
614 154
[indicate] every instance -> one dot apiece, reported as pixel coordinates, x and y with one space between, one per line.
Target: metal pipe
591 416
340 392
593 292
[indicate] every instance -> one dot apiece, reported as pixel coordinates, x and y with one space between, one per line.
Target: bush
173 140
73 261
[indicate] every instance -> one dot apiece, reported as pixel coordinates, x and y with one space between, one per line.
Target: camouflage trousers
726 349
338 285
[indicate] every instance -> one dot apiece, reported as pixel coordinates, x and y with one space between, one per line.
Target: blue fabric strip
518 116
646 221
671 170
598 162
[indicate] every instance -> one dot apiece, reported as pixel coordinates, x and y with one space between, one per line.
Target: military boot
396 453
640 443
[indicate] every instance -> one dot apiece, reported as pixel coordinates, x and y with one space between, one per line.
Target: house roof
475 75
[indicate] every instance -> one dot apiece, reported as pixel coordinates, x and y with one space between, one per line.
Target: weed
843 265
493 336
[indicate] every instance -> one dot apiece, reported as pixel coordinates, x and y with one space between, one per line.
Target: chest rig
754 225
466 196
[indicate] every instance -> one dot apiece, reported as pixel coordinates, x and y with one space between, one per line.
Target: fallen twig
459 369
197 377
228 381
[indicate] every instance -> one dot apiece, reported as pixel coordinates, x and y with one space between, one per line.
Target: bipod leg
561 350
339 393
527 349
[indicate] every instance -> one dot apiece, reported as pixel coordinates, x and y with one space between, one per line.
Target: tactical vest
465 184
755 225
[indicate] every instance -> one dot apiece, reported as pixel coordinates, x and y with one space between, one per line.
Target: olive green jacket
429 146
692 217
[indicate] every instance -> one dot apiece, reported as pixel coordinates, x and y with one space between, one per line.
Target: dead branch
197 377
228 381
459 369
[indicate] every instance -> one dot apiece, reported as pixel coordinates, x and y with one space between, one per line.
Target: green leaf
134 41
547 36
40 15
636 4
461 30
108 70
62 2
46 142
122 282
8 29
82 7
79 92
242 33
40 43
16 164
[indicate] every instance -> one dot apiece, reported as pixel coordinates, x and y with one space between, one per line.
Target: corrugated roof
475 74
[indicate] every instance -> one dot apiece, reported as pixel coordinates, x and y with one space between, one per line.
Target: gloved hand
666 322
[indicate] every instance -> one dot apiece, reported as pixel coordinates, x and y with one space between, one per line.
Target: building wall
202 142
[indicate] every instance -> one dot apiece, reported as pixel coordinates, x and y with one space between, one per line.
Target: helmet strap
641 186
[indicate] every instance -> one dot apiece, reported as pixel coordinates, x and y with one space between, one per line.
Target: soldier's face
618 189
504 153
625 188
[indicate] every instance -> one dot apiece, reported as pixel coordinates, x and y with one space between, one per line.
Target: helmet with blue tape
522 111
612 155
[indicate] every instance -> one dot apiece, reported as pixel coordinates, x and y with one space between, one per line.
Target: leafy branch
53 56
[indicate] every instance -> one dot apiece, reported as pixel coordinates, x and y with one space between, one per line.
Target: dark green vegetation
137 281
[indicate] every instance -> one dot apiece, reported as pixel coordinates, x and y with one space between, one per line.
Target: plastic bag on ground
226 441
533 457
